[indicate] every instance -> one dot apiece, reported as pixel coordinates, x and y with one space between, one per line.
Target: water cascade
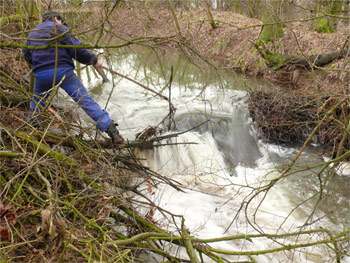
225 165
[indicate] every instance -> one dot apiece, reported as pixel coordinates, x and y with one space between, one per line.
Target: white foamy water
221 170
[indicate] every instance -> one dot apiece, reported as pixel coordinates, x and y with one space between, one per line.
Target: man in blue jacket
48 66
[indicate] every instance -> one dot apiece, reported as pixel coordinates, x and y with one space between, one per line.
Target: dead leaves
52 233
8 218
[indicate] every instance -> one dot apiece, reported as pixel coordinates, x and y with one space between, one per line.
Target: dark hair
51 14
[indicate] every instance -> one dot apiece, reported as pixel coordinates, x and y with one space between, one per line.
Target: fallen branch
138 83
278 61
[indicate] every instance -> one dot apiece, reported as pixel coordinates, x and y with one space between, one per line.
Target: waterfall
222 167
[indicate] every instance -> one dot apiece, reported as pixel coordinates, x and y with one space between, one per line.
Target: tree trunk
210 16
272 28
328 24
176 22
278 61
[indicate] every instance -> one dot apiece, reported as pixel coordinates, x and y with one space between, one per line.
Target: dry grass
75 203
231 44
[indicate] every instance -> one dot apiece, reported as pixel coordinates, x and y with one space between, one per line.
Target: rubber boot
114 133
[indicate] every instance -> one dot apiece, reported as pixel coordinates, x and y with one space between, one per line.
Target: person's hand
99 68
98 64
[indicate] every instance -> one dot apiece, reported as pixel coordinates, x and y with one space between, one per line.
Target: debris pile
290 118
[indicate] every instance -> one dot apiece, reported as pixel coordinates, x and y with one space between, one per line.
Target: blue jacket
42 59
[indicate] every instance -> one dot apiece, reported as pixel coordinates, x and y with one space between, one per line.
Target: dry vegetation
231 45
73 203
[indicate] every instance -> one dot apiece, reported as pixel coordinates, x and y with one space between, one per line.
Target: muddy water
228 162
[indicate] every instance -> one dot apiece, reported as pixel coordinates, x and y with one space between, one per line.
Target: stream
228 161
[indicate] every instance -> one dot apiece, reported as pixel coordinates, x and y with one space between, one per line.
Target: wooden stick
102 74
138 83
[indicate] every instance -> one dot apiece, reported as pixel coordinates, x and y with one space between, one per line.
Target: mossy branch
11 154
278 61
188 243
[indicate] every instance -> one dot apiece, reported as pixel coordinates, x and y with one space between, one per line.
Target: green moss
221 44
11 18
270 33
275 61
321 26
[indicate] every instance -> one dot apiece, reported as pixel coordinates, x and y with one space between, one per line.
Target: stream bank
77 191
312 91
232 46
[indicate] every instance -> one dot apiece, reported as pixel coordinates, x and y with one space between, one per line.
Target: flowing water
228 161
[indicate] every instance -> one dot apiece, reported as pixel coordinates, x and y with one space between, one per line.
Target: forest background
302 47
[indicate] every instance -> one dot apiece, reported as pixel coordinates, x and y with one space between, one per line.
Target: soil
231 44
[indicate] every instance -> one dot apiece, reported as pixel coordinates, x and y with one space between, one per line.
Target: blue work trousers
74 88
